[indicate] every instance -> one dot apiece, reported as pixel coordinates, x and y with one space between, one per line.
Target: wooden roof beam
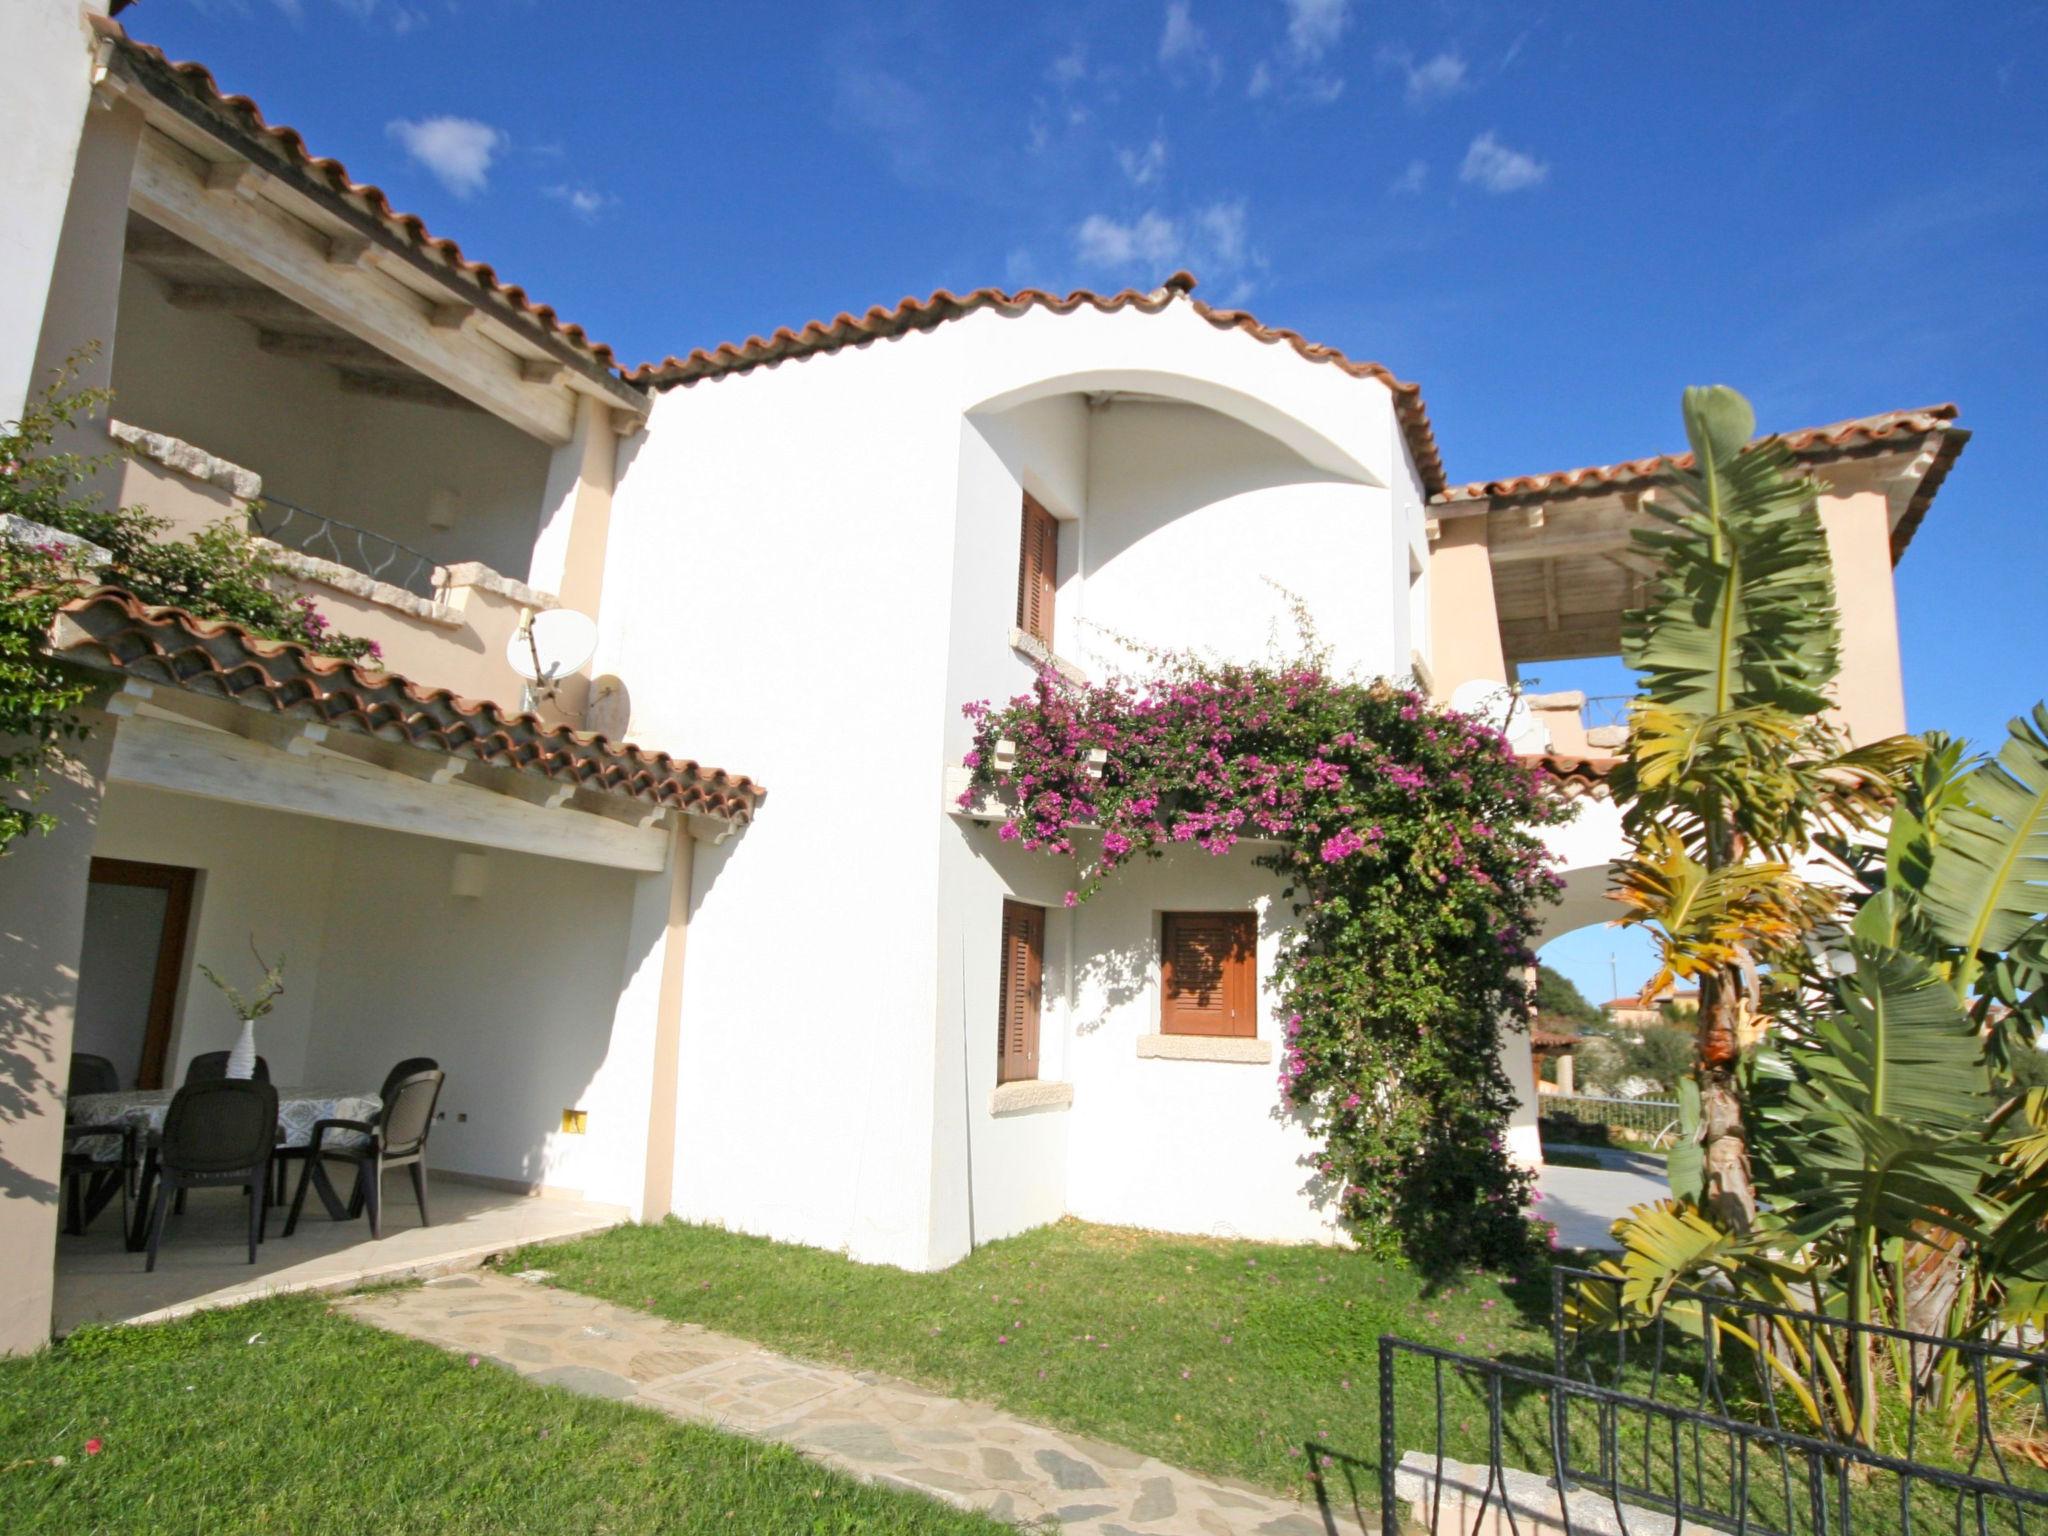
268 247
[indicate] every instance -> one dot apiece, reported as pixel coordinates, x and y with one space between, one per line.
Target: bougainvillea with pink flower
1408 840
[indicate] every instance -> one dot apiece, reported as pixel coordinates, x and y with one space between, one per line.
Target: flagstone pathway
876 1427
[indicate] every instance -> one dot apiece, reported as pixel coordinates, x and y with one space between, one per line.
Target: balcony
442 625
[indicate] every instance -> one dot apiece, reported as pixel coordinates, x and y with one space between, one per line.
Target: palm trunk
1724 1143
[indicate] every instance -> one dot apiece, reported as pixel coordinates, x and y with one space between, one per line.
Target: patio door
134 957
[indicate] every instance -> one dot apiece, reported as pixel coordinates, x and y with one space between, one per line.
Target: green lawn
281 1416
1225 1357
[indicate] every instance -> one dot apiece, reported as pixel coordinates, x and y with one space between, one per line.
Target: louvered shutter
1209 974
1038 566
1022 988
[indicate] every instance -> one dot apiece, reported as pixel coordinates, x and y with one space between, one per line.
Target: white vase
242 1059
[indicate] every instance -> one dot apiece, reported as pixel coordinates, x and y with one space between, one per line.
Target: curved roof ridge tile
1854 432
915 314
219 656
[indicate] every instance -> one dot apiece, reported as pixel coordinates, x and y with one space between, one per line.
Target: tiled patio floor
876 1427
204 1258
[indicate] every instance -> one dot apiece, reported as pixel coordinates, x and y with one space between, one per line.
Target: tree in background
1558 997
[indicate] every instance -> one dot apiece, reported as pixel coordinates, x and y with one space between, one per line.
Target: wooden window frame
1239 983
177 884
1019 1018
1038 571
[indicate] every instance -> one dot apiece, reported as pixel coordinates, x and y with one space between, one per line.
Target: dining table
142 1110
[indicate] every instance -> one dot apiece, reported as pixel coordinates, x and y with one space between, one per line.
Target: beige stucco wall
1464 622
42 930
1870 690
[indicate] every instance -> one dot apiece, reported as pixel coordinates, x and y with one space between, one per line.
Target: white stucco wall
262 875
42 112
1191 520
515 992
812 566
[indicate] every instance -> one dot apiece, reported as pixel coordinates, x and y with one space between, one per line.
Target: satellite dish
549 646
1504 709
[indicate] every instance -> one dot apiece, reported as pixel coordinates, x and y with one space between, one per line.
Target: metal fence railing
329 538
1652 1119
1602 1459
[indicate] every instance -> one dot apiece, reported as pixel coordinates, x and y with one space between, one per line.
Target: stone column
42 933
1870 692
657 1191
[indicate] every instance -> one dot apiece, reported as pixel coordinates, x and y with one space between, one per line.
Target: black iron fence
329 538
1557 1454
1710 1412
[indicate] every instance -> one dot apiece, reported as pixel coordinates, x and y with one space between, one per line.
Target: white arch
1298 435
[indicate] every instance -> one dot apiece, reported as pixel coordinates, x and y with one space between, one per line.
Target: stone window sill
1041 654
1205 1048
1030 1098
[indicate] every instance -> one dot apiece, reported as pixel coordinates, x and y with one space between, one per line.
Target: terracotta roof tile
913 314
111 630
1573 776
1861 433
196 81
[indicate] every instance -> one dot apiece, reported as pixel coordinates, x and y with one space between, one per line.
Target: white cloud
1313 26
457 150
1101 241
1184 47
1071 66
1261 81
1410 181
1445 74
1213 239
585 202
1221 226
1492 165
1143 166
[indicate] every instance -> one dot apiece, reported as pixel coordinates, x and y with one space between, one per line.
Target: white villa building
653 983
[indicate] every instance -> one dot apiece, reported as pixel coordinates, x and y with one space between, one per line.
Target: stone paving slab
876 1427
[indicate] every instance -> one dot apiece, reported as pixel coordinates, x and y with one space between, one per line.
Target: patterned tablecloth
297 1110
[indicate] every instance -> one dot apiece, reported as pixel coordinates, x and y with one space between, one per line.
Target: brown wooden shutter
1022 989
1209 974
1038 570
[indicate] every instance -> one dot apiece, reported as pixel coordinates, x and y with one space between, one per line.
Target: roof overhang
352 726
215 174
1564 564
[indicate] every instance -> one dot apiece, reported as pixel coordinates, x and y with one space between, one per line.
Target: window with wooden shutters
1209 974
1038 571
1022 991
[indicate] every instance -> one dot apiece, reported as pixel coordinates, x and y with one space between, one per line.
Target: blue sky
1554 217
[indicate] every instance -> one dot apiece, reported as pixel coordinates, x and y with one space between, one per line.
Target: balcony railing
329 538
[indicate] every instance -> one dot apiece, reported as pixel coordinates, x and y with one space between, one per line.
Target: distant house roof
1636 1004
112 631
1841 439
913 314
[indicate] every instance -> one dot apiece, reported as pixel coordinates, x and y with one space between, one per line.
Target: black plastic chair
406 1068
215 1134
99 1162
92 1074
286 1156
397 1140
212 1067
